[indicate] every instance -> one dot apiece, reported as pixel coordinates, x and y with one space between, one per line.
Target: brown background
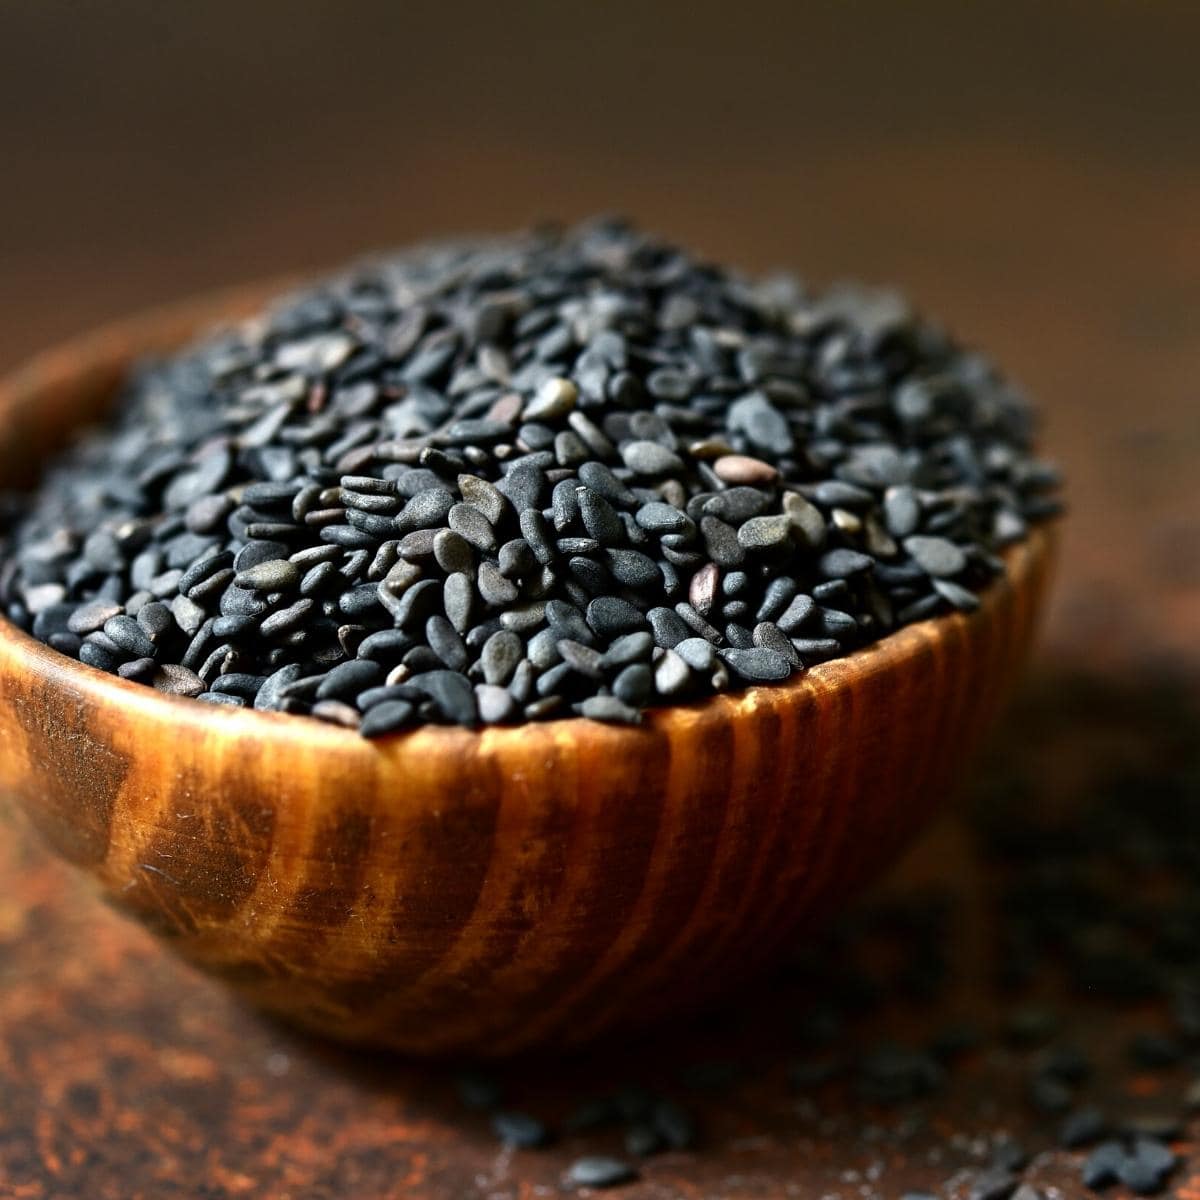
1028 170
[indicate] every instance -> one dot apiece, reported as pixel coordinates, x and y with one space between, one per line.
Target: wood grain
447 890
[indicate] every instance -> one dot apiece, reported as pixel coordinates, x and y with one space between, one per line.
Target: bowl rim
111 348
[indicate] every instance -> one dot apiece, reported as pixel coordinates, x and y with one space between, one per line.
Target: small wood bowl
449 891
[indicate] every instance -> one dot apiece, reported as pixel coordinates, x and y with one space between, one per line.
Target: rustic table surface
1054 218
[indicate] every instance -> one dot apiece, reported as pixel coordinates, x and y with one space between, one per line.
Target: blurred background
1029 171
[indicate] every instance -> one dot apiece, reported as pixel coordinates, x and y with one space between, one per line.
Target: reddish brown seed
337 712
710 448
506 408
702 591
741 469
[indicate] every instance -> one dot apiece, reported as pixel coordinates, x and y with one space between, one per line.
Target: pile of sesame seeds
565 473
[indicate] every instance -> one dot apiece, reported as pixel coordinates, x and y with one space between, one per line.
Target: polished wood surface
446 890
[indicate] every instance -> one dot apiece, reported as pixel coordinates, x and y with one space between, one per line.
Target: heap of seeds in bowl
562 473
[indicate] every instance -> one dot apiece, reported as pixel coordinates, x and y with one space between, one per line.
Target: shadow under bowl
451 891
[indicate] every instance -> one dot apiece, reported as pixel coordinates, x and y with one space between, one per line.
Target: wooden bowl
445 890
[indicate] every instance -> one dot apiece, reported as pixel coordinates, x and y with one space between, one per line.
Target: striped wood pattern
446 890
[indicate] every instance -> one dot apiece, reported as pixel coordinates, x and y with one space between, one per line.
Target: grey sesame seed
765 533
583 659
936 555
661 518
458 594
501 653
598 1171
484 496
839 564
610 616
470 523
496 705
649 458
671 675
610 709
87 618
629 648
806 519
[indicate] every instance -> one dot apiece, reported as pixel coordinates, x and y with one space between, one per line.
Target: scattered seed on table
993 1185
1081 1128
521 1130
597 1171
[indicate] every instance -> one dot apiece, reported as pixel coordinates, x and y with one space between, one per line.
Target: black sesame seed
451 693
757 664
129 637
610 616
582 659
138 668
387 717
634 685
348 679
629 648
721 542
367 481
696 623
667 627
